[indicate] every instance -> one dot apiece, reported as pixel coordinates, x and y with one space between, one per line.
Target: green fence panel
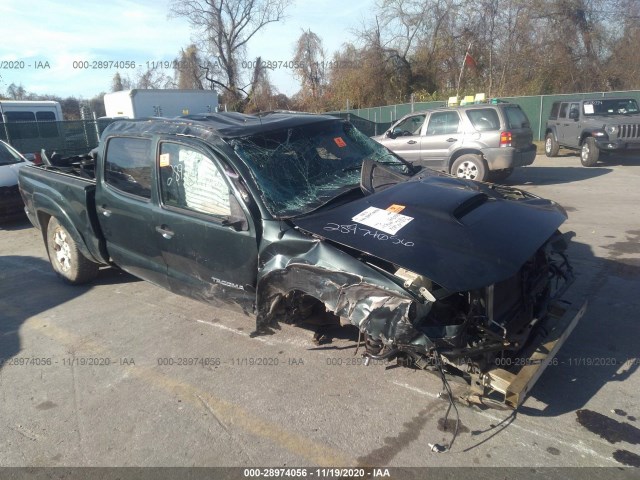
536 107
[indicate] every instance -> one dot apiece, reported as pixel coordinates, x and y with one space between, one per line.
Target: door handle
165 232
451 139
412 142
104 210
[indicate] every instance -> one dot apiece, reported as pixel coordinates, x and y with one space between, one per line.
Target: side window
516 118
443 123
555 108
484 119
127 165
563 110
190 180
410 126
574 110
48 127
17 128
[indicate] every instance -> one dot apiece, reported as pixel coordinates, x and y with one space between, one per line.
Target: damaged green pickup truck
284 214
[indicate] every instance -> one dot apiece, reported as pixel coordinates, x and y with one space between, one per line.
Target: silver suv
479 142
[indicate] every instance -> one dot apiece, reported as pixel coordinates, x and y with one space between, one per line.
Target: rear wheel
471 167
65 257
590 153
551 147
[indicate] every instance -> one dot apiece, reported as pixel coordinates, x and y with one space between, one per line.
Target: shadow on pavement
28 287
533 175
603 347
624 159
16 224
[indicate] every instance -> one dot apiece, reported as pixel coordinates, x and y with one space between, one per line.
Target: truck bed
63 193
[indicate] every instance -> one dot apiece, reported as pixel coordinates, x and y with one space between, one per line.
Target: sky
47 45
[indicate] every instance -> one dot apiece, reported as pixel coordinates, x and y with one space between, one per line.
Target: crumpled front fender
368 299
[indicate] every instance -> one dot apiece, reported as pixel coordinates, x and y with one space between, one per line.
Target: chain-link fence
75 137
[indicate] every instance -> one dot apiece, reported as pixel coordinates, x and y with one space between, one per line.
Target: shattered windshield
302 168
615 106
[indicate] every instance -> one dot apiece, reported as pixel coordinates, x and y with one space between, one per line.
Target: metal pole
4 123
540 119
95 123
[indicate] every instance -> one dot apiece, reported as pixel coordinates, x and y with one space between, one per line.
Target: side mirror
236 218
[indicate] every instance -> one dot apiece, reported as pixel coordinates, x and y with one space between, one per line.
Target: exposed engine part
415 281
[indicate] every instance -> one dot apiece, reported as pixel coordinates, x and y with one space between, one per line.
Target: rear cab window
127 166
555 108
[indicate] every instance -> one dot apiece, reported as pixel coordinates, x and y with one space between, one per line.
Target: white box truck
169 103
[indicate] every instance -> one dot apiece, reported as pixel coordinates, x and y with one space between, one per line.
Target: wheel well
43 221
583 137
461 152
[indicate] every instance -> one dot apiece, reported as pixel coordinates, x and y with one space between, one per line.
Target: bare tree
226 27
153 78
189 70
118 83
16 92
310 67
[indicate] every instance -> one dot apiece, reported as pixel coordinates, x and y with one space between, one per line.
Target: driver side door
407 137
208 240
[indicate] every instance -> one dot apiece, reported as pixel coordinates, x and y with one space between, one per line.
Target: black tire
65 257
589 153
551 147
500 175
471 167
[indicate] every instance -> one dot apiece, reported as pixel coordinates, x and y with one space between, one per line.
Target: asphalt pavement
123 373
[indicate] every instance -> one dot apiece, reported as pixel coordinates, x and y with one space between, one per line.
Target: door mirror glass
236 219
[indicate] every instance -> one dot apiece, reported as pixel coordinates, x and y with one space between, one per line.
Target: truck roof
224 124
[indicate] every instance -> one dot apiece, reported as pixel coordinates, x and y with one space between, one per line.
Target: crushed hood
460 234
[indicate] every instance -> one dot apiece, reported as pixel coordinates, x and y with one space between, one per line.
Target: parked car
477 142
284 215
593 126
11 206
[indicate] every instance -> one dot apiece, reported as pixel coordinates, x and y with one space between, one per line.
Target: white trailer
159 103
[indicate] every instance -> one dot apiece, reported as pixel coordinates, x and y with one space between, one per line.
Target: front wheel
65 257
551 147
471 167
590 153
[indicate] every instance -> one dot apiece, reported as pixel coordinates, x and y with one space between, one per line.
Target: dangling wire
447 389
358 345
